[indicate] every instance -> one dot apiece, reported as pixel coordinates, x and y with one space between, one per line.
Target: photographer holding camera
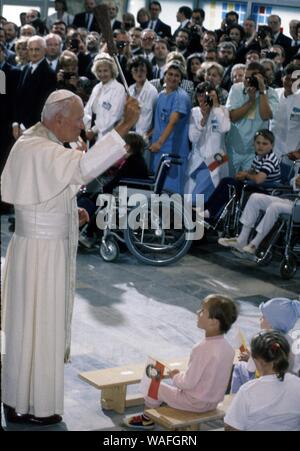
252 105
208 162
68 78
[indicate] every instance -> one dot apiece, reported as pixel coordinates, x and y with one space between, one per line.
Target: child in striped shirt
265 169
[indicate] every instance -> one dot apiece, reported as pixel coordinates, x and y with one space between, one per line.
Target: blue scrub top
178 141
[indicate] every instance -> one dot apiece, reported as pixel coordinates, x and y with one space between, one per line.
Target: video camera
253 82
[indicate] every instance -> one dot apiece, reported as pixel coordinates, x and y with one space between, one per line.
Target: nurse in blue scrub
171 124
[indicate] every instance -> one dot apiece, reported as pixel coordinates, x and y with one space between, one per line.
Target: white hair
62 107
53 36
107 59
237 67
38 39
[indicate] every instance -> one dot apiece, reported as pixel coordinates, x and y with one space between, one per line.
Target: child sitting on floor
203 385
272 402
280 314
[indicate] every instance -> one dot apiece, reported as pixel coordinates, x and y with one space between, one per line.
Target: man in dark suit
184 15
36 82
53 50
87 19
113 12
279 38
8 88
161 29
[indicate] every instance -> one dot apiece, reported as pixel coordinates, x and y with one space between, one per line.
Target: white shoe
230 242
250 249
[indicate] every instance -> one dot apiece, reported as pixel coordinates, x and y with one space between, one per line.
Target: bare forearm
166 133
264 108
239 113
123 128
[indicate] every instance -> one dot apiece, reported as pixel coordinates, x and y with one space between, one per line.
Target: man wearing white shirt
286 122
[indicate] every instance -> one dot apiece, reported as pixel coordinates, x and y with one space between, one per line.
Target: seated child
265 169
133 166
273 206
272 402
203 385
280 314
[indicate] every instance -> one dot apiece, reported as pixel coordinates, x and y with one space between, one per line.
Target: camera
121 44
271 55
68 75
263 32
209 100
74 44
253 82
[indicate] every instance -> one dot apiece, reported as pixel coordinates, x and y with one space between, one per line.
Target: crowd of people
247 69
226 101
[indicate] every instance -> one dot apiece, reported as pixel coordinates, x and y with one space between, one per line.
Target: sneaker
138 422
250 249
86 241
229 242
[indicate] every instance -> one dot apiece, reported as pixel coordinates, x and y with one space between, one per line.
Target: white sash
42 226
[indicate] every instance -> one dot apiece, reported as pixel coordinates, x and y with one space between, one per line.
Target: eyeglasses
148 39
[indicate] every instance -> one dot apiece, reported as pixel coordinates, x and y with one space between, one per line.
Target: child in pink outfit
203 385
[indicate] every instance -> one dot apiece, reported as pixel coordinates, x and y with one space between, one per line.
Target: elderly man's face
53 47
274 23
148 39
36 51
27 31
70 126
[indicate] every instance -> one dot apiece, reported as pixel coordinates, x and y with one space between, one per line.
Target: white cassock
41 179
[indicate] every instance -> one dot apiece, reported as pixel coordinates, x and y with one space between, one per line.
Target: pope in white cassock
41 178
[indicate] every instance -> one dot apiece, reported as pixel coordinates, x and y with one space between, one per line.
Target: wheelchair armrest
137 183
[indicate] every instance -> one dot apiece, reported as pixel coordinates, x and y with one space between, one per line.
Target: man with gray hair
37 81
227 59
53 50
41 178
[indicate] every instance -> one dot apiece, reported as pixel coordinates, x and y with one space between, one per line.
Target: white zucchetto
59 95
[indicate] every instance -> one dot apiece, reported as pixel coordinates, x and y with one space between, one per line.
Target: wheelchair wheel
161 245
288 267
109 250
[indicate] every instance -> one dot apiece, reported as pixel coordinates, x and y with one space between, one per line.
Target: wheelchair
166 241
285 240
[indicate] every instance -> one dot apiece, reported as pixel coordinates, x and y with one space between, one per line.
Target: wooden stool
113 383
181 420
